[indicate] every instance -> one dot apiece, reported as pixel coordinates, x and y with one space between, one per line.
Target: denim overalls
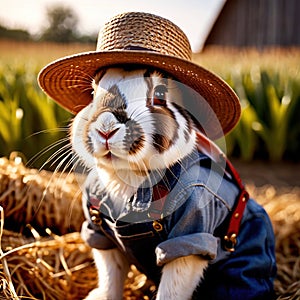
194 220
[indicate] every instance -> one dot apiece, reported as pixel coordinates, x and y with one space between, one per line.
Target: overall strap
159 196
210 149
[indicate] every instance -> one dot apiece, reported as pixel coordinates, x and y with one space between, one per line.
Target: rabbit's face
135 122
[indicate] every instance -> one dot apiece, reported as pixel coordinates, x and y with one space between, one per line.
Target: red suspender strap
230 239
212 150
159 195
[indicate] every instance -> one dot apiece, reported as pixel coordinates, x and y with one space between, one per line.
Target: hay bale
60 266
46 265
50 267
39 198
283 207
57 267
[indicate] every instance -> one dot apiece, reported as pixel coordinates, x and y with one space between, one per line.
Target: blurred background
253 45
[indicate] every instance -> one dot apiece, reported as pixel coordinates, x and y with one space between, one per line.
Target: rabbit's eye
159 95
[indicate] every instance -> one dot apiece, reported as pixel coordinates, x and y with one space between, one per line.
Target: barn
256 23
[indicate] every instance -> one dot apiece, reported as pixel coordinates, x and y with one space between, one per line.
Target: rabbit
133 136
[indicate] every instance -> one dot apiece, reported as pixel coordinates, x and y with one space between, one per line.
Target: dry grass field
38 53
220 60
213 58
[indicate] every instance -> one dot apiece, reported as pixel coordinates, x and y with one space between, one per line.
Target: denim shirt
195 217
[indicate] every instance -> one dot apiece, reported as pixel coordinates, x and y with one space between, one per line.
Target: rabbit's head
136 122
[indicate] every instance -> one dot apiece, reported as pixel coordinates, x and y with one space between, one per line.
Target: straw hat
145 39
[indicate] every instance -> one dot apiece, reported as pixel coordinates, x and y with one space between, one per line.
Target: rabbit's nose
107 134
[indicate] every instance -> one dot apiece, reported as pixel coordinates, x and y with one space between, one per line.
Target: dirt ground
284 175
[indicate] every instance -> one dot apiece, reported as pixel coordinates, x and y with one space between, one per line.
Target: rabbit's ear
97 79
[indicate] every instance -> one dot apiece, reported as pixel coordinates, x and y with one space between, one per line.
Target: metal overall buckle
230 242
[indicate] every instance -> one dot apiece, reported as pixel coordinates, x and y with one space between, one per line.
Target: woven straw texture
44 265
147 40
146 31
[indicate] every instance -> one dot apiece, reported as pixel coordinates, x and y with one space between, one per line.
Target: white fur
180 278
133 86
112 270
124 173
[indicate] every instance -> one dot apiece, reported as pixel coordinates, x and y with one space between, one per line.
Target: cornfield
268 85
30 123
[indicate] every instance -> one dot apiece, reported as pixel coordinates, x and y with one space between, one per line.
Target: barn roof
256 23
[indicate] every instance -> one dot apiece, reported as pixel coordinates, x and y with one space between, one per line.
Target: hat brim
68 82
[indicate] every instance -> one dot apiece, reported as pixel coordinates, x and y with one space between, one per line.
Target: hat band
138 48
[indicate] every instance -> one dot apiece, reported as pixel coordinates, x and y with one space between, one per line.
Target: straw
44 265
38 198
143 39
283 206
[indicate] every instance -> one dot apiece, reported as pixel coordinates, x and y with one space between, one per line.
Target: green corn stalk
10 124
29 121
269 121
275 132
272 99
293 138
11 115
243 136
